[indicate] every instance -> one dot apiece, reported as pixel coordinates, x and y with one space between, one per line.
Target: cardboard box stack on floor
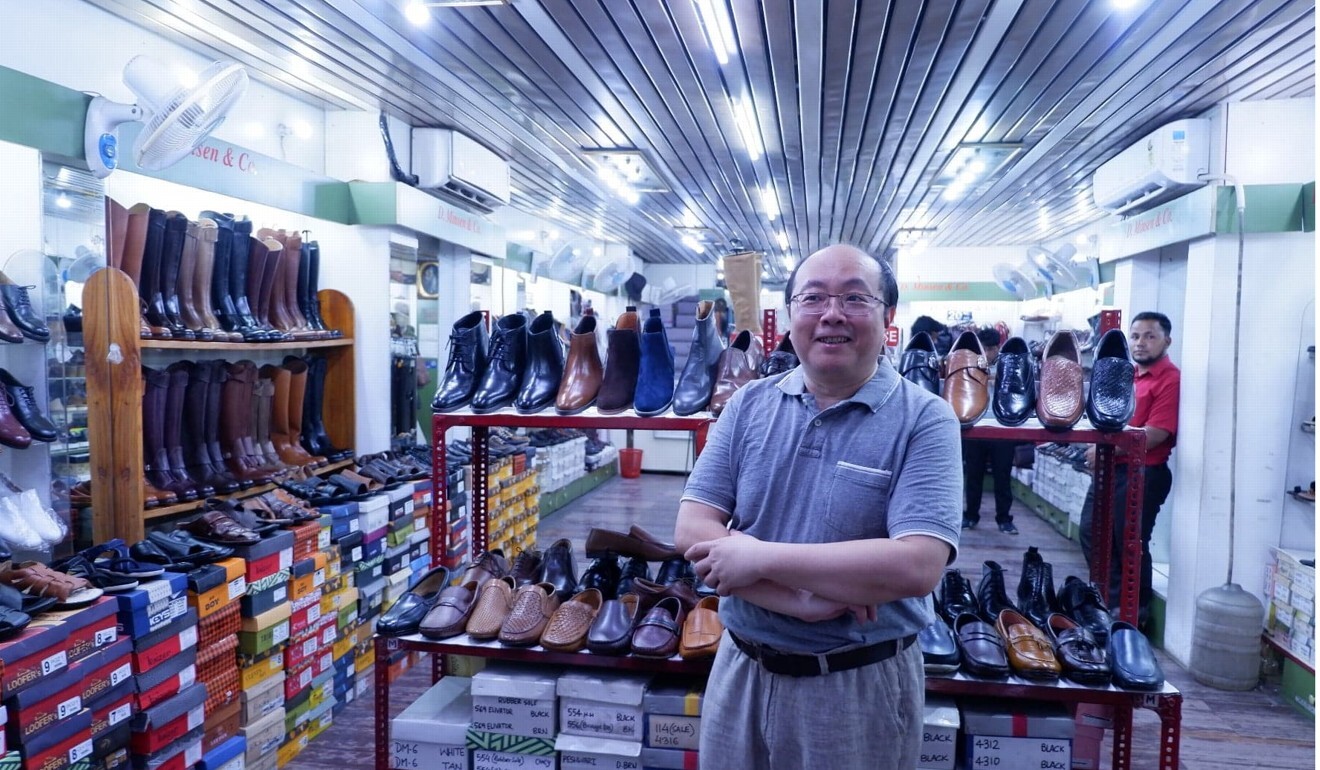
309 654
214 592
514 717
1018 734
262 639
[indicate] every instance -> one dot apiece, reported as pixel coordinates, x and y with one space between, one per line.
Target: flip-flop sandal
120 562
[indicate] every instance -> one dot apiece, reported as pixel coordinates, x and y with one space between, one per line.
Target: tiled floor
1219 730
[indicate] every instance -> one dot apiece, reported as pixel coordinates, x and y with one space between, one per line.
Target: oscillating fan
610 277
176 119
1014 281
1054 267
568 262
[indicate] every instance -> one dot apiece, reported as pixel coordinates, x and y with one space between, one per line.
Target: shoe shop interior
515 380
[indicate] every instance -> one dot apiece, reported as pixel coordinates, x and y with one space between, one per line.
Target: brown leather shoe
702 630
611 632
583 370
623 361
649 593
533 606
492 608
490 564
735 369
1061 401
966 373
636 542
450 614
568 627
1030 653
657 635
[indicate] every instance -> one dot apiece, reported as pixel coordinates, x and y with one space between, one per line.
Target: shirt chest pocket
857 505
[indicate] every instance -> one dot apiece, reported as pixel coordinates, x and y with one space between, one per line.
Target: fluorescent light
719 29
789 262
783 241
630 195
1123 5
953 192
745 117
770 202
689 219
693 243
417 13
63 201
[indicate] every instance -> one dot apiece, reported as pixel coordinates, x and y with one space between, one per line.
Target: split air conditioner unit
459 168
1160 167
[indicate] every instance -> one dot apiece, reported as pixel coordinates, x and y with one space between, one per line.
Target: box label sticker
318 578
281 633
196 717
106 636
188 638
158 591
286 558
69 707
121 674
281 593
54 663
81 751
193 754
120 714
187 677
237 587
353 525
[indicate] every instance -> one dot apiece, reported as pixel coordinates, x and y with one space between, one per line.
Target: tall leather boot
176 232
655 374
314 291
152 268
623 360
697 382
290 260
239 255
297 369
236 424
214 375
156 461
583 370
225 311
265 397
544 370
991 595
197 460
742 274
289 451
116 227
255 454
277 244
304 278
207 235
135 243
175 398
257 253
188 285
504 371
468 344
264 263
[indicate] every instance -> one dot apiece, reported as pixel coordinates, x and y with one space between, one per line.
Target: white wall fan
1056 267
569 261
610 276
176 118
1015 281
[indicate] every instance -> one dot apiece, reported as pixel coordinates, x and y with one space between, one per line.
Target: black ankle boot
991 595
956 596
1035 591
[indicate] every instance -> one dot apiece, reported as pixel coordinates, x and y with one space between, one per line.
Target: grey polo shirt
883 464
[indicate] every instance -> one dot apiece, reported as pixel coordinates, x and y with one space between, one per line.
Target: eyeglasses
856 304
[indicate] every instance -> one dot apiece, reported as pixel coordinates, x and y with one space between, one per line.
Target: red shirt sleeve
1164 404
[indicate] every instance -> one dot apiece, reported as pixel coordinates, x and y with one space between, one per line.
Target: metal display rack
1167 702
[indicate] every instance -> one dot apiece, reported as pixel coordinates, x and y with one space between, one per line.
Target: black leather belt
790 664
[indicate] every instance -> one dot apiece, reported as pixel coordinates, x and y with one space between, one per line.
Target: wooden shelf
259 489
202 345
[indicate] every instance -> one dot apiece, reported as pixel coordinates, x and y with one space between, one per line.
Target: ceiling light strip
718 28
745 117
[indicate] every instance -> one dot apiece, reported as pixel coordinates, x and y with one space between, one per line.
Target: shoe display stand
115 352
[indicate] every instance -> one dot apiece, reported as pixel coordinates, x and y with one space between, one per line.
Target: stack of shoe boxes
514 718
431 734
108 686
515 512
458 484
1091 719
308 670
939 735
672 723
52 673
561 464
398 543
339 602
1028 734
214 591
263 636
167 729
600 720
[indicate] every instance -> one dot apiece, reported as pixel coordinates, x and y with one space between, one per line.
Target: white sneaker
15 528
42 520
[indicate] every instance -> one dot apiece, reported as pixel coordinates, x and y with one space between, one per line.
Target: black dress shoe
19 306
603 574
956 597
1133 660
23 402
982 648
405 615
504 370
1083 659
939 648
1035 590
781 359
675 569
635 567
468 343
1081 601
1014 399
992 596
1111 399
559 571
544 369
920 363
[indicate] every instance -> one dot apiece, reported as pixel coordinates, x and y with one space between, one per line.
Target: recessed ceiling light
745 116
770 202
693 243
719 29
783 240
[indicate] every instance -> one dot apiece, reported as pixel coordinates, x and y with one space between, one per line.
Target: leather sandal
218 527
39 580
12 617
114 557
183 548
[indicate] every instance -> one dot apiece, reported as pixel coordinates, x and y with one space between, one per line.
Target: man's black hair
888 283
1160 318
925 323
988 337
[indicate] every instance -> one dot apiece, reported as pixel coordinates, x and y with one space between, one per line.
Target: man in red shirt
1157 384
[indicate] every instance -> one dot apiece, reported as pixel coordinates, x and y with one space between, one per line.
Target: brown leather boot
116 227
290 261
734 370
297 369
235 419
135 244
207 232
290 452
279 317
265 296
251 450
583 370
264 396
187 287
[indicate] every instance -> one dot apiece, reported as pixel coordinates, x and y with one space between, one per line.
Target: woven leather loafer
568 627
533 606
492 608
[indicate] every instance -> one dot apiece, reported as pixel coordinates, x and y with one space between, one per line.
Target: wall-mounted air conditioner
1160 167
456 165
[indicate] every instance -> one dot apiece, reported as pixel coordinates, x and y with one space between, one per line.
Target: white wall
354 260
959 263
82 47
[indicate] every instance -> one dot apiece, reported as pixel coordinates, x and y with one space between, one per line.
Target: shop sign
952 291
891 336
424 213
1182 219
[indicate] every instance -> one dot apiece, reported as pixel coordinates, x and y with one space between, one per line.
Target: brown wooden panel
340 412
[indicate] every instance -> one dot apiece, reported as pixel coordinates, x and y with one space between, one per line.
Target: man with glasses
824 508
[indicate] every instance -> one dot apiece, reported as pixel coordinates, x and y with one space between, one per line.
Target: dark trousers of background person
976 453
1159 481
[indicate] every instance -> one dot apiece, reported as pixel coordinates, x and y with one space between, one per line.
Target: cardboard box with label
431 734
581 751
90 629
673 714
1035 735
512 700
601 704
35 653
939 734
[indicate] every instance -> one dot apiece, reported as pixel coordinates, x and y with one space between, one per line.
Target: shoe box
939 735
90 628
227 755
153 605
605 753
167 728
1025 734
343 520
401 502
264 632
601 704
672 723
432 732
515 700
216 586
374 516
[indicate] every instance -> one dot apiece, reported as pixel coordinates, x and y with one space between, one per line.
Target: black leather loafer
920 363
1112 399
982 648
1133 660
1014 398
404 616
559 570
939 648
1084 661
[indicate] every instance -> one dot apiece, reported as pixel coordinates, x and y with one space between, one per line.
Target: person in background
977 453
1157 386
824 510
939 333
